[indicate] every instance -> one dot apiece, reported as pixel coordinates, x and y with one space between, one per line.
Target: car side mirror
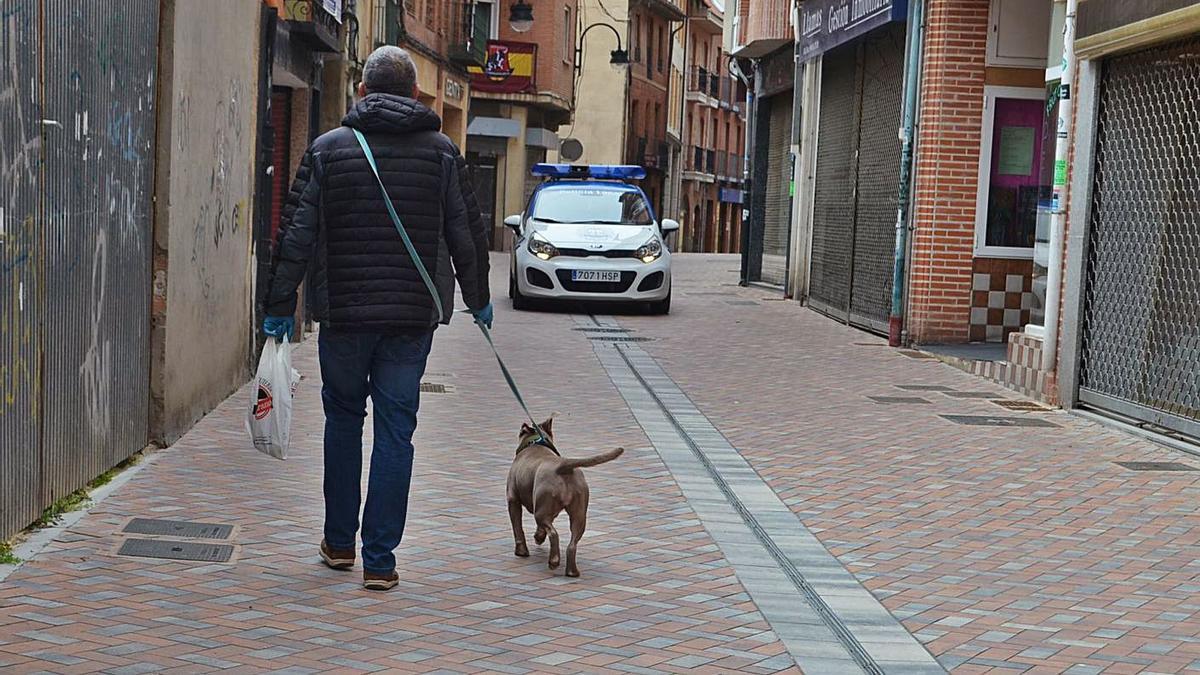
668 226
513 222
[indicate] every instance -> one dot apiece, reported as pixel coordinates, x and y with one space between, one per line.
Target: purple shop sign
826 24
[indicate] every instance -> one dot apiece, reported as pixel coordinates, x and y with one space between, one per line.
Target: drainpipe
912 85
1058 214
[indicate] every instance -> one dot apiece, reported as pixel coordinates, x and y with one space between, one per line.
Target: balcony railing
703 160
308 19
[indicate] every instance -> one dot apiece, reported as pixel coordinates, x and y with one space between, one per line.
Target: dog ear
548 425
526 430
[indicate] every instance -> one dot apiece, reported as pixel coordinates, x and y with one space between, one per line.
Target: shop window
1009 172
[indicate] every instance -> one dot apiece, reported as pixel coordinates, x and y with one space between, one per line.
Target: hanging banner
826 24
509 69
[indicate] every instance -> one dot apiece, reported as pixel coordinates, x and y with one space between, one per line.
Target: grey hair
390 70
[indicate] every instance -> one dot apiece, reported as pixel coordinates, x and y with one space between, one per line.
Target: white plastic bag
269 418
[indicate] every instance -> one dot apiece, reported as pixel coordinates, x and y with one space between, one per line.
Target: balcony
760 27
309 22
700 81
652 154
469 26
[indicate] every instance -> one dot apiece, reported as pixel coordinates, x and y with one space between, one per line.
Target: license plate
595 275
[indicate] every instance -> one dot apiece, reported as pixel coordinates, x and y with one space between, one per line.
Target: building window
568 36
487 13
1009 174
661 49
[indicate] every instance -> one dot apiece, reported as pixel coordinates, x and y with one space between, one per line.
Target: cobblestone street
768 515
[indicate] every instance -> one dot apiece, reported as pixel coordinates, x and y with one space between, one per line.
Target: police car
589 235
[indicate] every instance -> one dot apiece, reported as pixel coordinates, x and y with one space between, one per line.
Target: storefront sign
454 90
829 23
730 196
508 69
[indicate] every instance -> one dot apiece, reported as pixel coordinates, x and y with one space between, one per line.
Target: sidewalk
997 548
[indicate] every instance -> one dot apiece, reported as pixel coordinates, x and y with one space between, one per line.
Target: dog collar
541 440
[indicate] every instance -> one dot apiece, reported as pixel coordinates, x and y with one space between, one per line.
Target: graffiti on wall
222 211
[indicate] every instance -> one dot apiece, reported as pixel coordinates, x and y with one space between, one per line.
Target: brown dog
546 484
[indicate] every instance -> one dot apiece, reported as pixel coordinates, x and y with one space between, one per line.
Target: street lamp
618 58
520 16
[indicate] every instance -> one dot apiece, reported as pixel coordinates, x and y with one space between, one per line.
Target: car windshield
592 205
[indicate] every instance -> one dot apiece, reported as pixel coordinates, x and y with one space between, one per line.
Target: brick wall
556 48
951 113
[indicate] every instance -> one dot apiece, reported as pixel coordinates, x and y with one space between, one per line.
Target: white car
587 235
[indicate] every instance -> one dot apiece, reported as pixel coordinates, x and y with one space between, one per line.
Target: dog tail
569 465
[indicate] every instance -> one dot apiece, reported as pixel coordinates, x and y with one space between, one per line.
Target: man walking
377 315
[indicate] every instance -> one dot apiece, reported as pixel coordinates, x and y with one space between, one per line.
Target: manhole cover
178 528
602 330
996 421
1022 406
971 394
619 338
913 354
898 399
176 550
1157 466
742 303
434 388
924 387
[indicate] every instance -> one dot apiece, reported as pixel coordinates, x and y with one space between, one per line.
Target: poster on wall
508 69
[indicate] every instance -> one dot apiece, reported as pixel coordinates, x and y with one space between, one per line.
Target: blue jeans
389 370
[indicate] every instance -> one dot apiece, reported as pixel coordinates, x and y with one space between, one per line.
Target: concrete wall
203 280
601 102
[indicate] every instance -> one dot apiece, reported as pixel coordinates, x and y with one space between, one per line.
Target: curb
38 540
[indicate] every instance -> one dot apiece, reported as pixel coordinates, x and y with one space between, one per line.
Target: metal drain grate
178 528
700 293
1022 406
619 338
440 375
1156 466
742 303
995 421
897 399
591 329
435 388
870 344
924 387
971 394
913 354
176 550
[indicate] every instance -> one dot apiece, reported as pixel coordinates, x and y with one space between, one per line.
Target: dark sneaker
338 559
380 582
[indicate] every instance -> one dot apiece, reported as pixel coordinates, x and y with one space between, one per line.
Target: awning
496 127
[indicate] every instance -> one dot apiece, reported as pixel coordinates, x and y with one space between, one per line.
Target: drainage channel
860 655
823 615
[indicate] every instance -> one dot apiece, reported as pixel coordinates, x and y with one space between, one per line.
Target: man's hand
484 316
279 326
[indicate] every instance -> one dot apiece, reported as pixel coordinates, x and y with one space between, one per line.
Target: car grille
584 253
564 278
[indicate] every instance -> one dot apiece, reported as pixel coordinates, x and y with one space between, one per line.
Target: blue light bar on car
596 171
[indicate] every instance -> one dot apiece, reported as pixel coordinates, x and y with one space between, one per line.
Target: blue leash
544 438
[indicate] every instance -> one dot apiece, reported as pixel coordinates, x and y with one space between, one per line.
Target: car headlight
541 247
650 251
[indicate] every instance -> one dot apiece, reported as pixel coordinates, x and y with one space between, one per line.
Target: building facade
651 23
714 138
758 34
521 95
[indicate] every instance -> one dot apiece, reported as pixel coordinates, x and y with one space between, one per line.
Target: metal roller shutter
833 213
1141 319
878 177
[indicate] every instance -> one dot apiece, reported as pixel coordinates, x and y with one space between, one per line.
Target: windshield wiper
601 222
550 220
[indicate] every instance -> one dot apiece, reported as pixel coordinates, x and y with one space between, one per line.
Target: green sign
1060 172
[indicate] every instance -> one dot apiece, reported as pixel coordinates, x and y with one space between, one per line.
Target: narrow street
795 497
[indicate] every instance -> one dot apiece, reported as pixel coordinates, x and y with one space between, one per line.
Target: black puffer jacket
364 279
